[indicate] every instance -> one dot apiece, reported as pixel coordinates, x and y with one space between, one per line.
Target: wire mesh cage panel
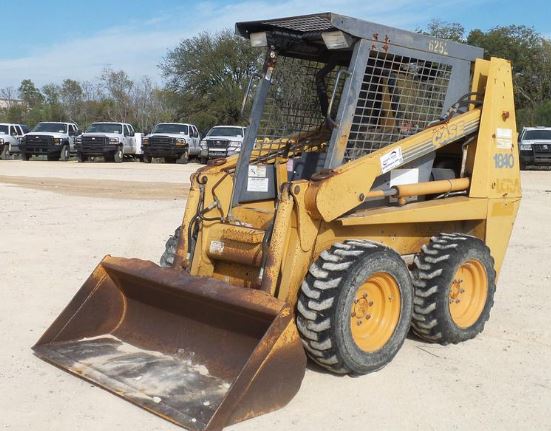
399 97
293 120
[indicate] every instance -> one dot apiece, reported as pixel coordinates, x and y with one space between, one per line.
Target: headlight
79 140
1 141
203 145
234 147
181 141
57 141
525 147
114 140
145 141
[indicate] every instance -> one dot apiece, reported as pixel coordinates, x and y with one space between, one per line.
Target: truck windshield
51 127
171 128
544 134
225 131
105 128
3 130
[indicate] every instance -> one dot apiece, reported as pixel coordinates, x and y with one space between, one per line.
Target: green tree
71 95
529 54
444 30
30 95
209 73
118 87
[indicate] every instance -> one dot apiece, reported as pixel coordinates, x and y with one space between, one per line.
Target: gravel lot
59 219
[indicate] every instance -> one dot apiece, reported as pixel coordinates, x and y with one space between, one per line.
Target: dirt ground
59 219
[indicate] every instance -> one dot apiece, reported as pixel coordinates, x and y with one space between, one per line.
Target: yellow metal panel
454 208
501 217
495 172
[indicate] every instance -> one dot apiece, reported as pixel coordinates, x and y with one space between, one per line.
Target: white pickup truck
535 146
175 142
56 140
113 141
222 141
10 138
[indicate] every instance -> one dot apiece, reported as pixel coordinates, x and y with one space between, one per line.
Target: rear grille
93 143
38 143
162 143
218 143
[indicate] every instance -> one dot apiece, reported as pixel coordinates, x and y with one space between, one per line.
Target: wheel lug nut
368 316
457 301
359 322
370 303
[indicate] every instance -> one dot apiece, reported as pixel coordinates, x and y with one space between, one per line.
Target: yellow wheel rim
468 293
375 312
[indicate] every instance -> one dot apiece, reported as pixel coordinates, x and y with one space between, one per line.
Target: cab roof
301 35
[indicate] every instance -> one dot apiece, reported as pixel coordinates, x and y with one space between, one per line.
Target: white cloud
139 47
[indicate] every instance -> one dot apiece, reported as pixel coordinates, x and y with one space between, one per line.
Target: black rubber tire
5 153
65 153
118 156
82 157
183 159
434 269
167 258
26 156
203 160
325 300
146 159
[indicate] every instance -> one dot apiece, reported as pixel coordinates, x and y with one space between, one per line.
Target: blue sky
48 41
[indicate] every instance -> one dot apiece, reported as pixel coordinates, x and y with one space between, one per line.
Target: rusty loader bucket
196 351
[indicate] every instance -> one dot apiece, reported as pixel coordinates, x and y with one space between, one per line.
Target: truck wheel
183 159
82 158
4 154
146 159
167 258
203 160
454 282
118 156
354 307
65 154
25 156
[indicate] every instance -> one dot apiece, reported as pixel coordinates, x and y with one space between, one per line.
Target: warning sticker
504 139
392 159
257 184
257 171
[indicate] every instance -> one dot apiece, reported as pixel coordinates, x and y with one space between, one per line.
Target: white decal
391 159
257 184
504 139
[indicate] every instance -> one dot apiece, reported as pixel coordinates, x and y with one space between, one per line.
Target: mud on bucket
196 351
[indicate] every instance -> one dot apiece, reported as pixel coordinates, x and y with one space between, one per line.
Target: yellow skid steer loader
375 191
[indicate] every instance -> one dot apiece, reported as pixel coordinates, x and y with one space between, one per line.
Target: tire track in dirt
137 190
